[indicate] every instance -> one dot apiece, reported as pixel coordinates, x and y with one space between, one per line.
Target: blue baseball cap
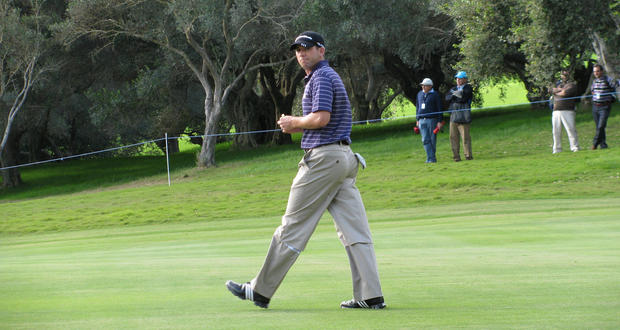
461 74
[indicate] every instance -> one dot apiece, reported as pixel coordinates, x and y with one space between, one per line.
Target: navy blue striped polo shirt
325 91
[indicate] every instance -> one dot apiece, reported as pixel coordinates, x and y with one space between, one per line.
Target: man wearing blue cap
325 181
460 98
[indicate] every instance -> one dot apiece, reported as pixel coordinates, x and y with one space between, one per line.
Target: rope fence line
489 107
166 138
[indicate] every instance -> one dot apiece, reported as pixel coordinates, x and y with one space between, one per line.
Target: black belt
601 103
341 142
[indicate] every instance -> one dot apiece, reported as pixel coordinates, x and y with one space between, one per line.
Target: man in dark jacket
428 117
459 98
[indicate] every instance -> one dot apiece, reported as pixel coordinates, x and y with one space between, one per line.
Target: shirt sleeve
438 103
571 90
449 95
322 94
468 93
417 106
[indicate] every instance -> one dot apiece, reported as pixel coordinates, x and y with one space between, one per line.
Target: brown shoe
593 147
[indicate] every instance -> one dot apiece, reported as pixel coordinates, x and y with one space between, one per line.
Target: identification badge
423 106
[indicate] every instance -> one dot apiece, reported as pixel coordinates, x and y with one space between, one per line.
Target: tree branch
390 100
246 70
19 100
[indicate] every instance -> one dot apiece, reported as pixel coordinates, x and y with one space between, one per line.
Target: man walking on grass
325 181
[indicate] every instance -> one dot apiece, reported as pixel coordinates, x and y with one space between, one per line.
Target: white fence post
167 160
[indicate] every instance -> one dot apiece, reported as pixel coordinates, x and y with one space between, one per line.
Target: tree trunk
362 108
280 138
245 121
10 178
609 60
213 110
244 111
375 110
173 146
206 157
359 77
409 78
282 90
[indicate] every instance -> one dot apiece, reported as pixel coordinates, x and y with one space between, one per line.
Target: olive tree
220 41
23 44
532 40
386 45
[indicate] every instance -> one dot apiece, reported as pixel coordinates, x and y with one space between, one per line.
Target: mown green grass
516 238
514 92
513 264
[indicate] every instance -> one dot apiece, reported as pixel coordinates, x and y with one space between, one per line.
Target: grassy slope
512 153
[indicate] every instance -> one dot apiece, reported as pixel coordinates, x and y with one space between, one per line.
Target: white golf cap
427 82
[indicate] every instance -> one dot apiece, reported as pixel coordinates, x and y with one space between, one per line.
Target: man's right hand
287 125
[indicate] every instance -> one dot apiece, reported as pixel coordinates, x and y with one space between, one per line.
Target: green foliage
413 31
120 115
510 93
555 37
487 42
531 40
24 40
133 58
24 46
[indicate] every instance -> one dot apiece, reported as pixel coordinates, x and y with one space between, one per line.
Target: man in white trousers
325 181
564 100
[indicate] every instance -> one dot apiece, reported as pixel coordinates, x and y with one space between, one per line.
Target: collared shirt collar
316 67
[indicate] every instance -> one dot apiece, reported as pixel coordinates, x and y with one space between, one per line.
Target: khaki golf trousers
460 132
325 181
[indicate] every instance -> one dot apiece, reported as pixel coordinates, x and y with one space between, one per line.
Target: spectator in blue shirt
428 118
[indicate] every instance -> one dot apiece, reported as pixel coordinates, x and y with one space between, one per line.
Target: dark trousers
600 113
